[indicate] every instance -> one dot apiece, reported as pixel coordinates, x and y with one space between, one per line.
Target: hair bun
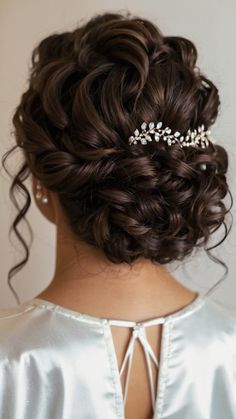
87 93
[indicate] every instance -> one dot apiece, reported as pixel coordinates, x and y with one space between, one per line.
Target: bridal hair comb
196 138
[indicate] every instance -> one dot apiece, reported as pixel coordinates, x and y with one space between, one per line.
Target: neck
85 280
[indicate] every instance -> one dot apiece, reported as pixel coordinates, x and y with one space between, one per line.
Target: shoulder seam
18 313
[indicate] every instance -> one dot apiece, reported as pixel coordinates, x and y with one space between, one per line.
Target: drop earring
44 199
39 191
39 195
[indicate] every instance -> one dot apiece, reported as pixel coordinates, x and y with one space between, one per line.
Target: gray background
209 24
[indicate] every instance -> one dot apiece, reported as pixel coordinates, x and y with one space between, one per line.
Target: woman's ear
43 199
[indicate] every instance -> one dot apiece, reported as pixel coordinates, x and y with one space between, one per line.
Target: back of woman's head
88 91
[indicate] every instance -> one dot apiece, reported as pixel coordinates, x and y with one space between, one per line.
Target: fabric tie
139 332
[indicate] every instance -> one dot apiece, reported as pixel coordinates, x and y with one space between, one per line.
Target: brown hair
88 90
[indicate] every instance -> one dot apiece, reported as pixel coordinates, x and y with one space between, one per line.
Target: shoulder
208 324
12 317
219 316
17 326
33 326
204 339
216 327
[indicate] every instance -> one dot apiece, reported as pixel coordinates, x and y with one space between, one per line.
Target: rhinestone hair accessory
197 138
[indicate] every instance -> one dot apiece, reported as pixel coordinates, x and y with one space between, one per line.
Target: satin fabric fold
60 364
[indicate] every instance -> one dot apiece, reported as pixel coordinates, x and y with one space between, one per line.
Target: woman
114 131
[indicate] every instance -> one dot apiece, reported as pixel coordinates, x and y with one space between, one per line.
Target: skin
84 280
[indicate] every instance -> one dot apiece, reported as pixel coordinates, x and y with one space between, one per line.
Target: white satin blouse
56 363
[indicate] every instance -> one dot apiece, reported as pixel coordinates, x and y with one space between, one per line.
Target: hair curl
88 90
